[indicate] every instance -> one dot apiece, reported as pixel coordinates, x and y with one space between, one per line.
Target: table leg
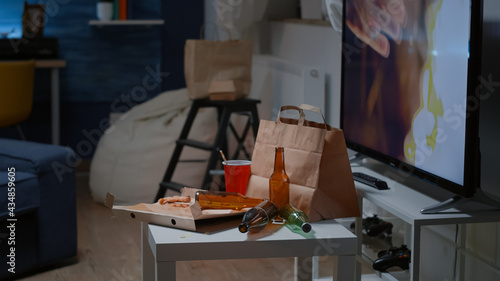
315 267
148 259
358 230
303 269
415 254
165 271
461 243
54 78
346 267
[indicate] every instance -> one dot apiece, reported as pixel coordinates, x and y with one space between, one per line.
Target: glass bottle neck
243 227
279 159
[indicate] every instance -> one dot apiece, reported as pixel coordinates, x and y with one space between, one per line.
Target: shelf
396 199
307 22
396 276
125 22
405 198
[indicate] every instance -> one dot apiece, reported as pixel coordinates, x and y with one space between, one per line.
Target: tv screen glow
405 82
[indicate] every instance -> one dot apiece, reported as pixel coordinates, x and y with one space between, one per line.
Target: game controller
400 257
374 226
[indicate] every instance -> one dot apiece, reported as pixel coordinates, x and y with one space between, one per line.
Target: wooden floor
109 250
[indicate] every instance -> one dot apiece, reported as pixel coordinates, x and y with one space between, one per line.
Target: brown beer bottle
224 200
279 183
259 216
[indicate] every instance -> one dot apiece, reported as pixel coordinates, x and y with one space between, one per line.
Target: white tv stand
405 203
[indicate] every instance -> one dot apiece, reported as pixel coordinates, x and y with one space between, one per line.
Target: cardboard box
188 218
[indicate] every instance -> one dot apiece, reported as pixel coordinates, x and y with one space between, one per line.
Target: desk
54 66
162 247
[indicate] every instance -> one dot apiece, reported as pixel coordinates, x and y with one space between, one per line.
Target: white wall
239 19
491 10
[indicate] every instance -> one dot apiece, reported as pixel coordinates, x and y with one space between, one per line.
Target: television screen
409 75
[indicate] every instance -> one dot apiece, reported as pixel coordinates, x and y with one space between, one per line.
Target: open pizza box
189 217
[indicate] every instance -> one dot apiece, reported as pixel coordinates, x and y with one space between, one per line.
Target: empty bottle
279 183
258 216
295 218
225 200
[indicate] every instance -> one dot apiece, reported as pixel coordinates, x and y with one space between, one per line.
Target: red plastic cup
236 174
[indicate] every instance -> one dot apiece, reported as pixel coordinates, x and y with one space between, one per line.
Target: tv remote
370 181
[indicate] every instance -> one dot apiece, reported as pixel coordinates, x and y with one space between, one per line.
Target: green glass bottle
258 216
295 218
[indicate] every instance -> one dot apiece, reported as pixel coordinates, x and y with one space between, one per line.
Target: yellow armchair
16 91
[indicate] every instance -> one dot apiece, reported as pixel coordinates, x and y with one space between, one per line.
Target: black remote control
369 180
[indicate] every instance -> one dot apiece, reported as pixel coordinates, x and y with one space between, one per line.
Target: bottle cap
243 228
306 227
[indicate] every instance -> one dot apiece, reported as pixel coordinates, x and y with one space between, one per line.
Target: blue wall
102 62
106 65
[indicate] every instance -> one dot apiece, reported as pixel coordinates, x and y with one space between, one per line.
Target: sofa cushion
31 157
45 204
26 195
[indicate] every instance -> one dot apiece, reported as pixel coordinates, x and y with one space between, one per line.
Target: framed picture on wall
33 20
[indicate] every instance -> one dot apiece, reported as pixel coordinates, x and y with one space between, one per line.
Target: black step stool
225 109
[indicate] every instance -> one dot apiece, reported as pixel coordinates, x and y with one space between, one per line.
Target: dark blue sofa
39 229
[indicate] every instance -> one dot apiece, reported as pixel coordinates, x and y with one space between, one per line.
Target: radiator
280 82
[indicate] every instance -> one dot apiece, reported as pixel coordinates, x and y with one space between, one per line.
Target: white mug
104 10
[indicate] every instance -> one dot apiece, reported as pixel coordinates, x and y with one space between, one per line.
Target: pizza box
188 218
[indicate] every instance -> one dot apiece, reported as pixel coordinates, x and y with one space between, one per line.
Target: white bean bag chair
133 153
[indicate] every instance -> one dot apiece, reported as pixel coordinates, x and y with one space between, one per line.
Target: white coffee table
162 247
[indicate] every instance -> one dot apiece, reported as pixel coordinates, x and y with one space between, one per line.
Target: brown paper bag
316 161
206 61
226 90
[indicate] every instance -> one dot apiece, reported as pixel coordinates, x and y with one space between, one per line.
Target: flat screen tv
410 87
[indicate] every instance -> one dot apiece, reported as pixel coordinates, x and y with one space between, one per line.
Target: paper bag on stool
206 61
226 90
316 161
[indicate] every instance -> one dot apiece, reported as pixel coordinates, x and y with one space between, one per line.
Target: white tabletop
326 238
